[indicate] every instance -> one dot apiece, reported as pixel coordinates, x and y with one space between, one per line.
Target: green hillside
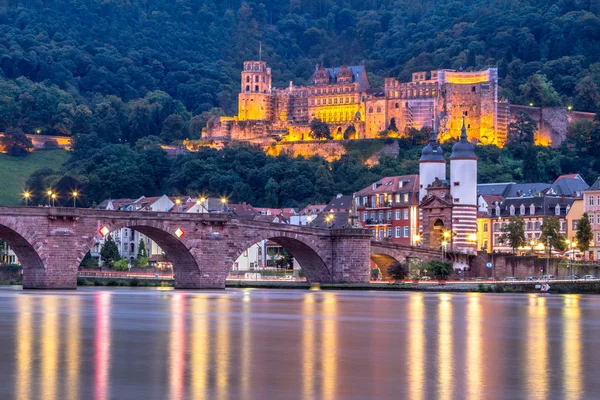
16 170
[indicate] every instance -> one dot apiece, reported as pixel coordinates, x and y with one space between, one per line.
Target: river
126 343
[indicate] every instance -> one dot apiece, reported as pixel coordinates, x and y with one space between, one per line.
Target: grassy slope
14 172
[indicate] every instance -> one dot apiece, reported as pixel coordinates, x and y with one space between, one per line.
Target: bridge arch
178 250
23 242
304 249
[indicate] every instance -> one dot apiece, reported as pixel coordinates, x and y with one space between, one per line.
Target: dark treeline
101 170
130 69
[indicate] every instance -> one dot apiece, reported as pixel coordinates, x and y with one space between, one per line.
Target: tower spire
433 135
463 130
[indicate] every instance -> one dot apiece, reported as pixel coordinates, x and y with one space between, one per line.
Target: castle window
335 101
256 88
456 200
456 183
247 88
378 109
255 78
473 89
465 113
396 105
247 79
370 110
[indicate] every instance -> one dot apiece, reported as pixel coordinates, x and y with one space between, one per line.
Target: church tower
432 165
463 190
254 101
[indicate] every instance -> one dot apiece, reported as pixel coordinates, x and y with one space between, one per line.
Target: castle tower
463 189
254 101
432 164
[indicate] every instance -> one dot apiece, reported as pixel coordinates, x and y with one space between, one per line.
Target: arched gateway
51 242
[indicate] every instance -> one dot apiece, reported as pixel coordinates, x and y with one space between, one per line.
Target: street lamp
53 198
75 194
417 239
444 244
223 202
329 220
549 251
26 196
49 193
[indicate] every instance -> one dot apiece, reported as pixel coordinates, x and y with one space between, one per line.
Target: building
389 207
343 98
448 208
591 206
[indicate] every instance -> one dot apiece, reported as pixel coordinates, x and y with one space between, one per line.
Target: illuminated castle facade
344 99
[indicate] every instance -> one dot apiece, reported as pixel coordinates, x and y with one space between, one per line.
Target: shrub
112 282
375 272
120 265
397 271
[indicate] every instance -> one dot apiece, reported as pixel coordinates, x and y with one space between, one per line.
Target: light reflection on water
256 344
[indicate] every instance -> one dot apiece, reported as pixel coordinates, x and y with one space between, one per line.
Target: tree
320 130
142 249
16 143
584 233
285 260
551 229
513 233
521 132
392 127
349 132
439 269
110 252
539 92
397 270
174 128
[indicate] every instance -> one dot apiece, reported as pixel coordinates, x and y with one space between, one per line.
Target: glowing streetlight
417 239
26 196
223 202
75 194
444 244
569 108
530 104
53 198
329 220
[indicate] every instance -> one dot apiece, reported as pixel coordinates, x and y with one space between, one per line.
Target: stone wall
518 266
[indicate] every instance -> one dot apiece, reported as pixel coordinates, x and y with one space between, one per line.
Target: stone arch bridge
51 242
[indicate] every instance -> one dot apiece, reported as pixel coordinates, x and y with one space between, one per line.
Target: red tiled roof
313 209
572 176
391 184
492 198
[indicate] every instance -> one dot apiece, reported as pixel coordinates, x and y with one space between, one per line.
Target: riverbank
461 287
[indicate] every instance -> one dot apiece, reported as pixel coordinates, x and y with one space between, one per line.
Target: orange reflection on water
474 347
537 348
73 347
308 342
50 343
329 357
102 338
24 353
222 355
445 343
177 346
572 347
245 344
199 345
416 347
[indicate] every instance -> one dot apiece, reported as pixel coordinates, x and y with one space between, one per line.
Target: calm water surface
269 344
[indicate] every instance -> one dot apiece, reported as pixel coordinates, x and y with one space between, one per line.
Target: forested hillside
128 69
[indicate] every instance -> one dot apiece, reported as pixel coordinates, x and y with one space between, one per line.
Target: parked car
590 277
510 279
572 277
425 278
547 278
529 278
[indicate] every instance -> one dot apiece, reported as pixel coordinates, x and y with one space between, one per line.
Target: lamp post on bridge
26 196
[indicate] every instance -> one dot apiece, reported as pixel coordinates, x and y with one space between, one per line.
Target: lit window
405 197
485 227
405 214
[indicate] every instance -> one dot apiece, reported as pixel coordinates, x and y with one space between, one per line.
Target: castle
343 98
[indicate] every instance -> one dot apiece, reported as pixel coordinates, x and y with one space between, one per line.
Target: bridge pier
351 255
50 278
